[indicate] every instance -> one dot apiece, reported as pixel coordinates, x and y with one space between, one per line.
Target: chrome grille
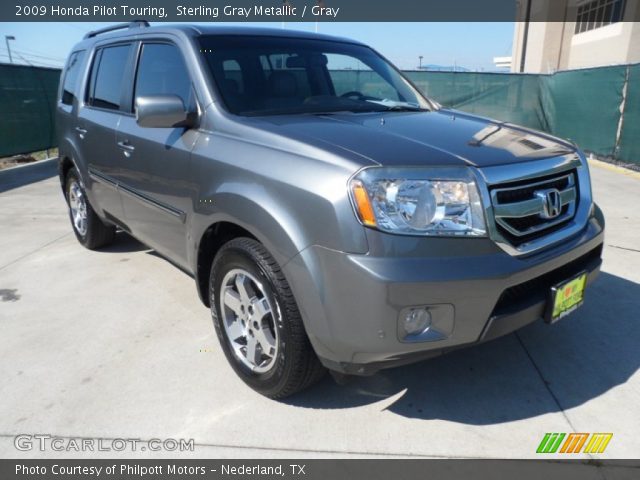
523 212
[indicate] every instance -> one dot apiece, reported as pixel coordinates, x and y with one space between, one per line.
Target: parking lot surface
116 344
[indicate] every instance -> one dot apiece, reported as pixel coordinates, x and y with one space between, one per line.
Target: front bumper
351 303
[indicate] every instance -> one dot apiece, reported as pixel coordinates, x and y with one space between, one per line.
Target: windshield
262 75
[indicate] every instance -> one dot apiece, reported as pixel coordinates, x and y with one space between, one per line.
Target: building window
599 13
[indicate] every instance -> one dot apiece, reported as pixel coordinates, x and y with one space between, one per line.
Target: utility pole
525 37
6 39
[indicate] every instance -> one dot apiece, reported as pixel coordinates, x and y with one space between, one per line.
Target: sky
469 45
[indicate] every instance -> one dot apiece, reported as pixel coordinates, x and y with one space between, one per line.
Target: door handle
126 147
81 132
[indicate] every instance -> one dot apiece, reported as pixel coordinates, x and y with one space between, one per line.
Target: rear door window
108 77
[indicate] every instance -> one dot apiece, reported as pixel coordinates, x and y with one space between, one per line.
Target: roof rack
119 26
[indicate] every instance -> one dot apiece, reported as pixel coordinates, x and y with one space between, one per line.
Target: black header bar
295 10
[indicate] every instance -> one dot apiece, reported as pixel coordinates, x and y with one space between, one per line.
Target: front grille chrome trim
526 208
530 207
577 194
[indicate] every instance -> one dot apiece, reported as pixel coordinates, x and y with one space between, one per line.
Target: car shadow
125 243
511 378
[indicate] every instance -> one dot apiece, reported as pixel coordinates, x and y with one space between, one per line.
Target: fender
271 224
280 234
68 150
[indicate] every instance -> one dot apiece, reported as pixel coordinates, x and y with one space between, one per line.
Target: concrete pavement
115 344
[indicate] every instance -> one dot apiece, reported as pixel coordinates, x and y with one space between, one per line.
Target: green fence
599 108
584 105
507 97
27 103
630 137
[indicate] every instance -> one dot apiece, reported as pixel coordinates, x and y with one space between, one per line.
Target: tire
277 359
87 226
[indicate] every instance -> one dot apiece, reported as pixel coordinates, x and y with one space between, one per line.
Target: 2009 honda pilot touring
332 216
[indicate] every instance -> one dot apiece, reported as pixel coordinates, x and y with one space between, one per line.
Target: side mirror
163 111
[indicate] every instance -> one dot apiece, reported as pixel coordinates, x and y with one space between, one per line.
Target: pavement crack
262 448
624 248
41 247
545 382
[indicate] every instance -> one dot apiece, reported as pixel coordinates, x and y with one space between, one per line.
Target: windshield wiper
396 106
346 110
405 108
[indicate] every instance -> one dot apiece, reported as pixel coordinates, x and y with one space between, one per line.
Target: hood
443 137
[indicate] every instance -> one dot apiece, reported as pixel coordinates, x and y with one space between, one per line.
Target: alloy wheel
78 207
248 318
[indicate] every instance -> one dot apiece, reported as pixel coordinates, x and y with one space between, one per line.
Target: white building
593 33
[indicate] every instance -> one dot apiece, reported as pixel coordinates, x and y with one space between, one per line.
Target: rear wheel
87 226
258 322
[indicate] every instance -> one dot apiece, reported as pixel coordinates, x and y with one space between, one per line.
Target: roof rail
119 26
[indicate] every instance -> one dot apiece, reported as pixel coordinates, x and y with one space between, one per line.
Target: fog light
417 320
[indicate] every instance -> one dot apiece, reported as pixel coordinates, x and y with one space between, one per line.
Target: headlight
418 201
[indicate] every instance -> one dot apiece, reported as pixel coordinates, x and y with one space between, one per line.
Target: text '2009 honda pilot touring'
331 215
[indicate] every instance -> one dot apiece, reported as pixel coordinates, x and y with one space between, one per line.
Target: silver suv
331 215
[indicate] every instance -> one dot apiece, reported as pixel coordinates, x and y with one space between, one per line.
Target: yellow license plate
566 297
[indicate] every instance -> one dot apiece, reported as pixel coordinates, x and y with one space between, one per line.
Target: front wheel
89 229
258 322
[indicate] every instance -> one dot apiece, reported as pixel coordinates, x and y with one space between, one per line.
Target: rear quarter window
71 76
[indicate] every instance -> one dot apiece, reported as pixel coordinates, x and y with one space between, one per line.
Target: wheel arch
68 159
64 165
212 239
269 224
